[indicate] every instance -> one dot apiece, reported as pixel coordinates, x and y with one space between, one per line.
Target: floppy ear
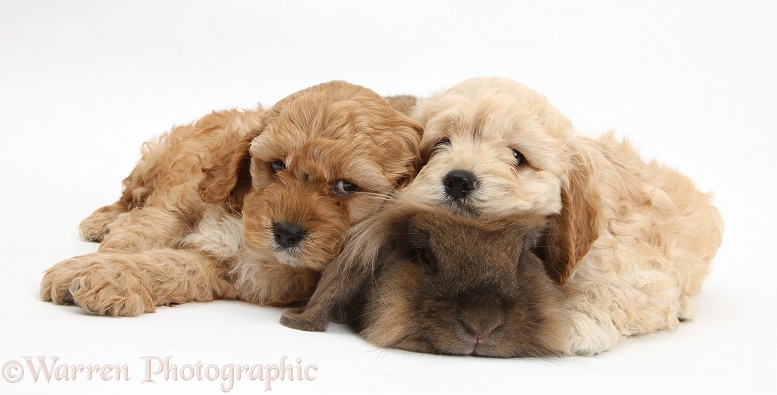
406 136
231 176
411 133
347 274
402 103
572 232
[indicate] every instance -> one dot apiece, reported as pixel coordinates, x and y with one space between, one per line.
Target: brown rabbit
425 280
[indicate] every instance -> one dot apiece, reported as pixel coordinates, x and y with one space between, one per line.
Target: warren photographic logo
153 370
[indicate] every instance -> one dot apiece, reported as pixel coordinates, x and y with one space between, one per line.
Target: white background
84 83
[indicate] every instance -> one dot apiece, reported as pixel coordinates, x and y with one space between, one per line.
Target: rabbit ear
347 274
572 232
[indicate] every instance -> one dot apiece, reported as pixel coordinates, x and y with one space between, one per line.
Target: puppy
246 205
444 284
629 241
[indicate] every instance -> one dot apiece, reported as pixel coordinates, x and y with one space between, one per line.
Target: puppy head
323 159
447 284
494 147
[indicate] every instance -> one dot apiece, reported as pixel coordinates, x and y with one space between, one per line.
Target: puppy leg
98 224
117 284
144 229
270 283
605 312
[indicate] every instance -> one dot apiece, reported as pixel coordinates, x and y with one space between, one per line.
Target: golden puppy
242 204
630 241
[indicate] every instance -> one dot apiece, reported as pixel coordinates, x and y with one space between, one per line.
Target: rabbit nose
459 183
480 330
480 321
288 235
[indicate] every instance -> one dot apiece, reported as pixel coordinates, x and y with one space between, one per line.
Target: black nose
288 235
458 183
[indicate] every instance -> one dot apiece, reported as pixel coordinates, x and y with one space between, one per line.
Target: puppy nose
288 235
459 183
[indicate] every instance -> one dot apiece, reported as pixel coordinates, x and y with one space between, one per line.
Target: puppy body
630 241
242 204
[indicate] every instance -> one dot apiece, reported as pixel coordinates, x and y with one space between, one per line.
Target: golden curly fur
630 241
246 205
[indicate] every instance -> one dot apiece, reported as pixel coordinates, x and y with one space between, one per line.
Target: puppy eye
519 158
277 166
344 187
443 141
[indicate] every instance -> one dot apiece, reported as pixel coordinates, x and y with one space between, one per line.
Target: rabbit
422 279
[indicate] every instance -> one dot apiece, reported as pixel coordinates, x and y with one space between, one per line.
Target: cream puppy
630 241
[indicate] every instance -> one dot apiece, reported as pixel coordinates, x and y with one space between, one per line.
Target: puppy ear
412 139
408 132
347 274
571 233
402 103
231 176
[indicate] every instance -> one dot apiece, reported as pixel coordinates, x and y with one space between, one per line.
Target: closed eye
442 144
426 259
443 141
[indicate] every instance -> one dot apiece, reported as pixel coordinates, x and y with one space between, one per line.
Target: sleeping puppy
247 205
446 284
629 241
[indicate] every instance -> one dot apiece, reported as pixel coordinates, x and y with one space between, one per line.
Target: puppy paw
589 337
304 320
110 291
98 224
687 309
55 286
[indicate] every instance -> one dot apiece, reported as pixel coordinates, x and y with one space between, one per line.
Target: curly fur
629 242
195 221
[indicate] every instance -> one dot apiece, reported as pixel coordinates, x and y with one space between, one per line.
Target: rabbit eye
425 259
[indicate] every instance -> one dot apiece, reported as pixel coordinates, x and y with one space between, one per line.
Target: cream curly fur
630 241
196 220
